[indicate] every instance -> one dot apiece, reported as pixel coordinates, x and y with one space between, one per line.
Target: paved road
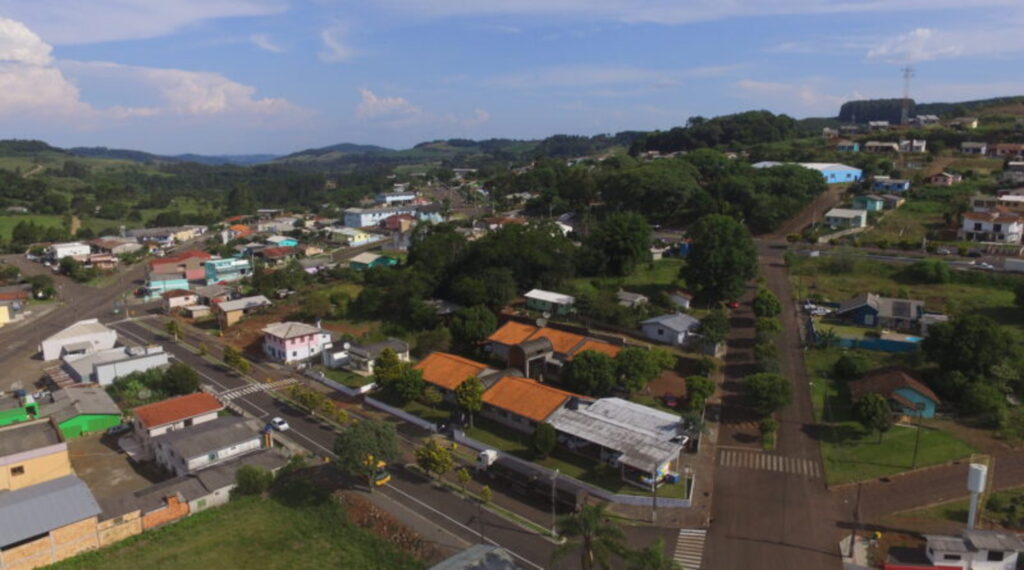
456 516
776 512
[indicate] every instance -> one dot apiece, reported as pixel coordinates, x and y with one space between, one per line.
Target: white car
279 424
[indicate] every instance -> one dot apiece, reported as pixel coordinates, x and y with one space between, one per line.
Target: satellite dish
547 315
542 322
346 346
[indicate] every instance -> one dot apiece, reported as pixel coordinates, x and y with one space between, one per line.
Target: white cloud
920 44
801 99
675 11
32 83
336 47
78 22
264 42
924 44
396 112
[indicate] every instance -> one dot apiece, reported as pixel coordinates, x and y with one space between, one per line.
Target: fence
350 392
563 480
402 414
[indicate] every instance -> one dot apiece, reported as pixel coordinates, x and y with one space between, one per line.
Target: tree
361 445
243 365
766 304
722 258
434 458
983 401
543 439
591 531
850 366
590 373
317 305
617 245
699 388
971 344
768 393
486 494
473 324
252 480
232 356
464 478
470 396
431 396
180 379
635 368
652 557
408 385
173 329
434 340
872 411
714 328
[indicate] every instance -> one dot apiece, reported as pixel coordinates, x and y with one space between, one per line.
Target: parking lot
108 472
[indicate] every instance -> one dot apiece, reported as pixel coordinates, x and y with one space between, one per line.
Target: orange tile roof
525 397
447 370
596 345
561 341
512 333
176 409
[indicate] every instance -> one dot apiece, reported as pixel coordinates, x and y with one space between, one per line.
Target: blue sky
245 76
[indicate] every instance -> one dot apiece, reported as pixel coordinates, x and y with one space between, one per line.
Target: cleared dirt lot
107 471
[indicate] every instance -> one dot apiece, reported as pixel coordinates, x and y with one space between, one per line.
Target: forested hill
146 157
891 109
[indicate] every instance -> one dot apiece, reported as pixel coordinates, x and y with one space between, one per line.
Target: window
977 227
188 422
19 470
995 555
295 354
997 227
951 557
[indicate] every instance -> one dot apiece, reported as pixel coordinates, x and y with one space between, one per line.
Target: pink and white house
290 342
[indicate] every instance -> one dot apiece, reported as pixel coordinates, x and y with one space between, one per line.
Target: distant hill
890 110
146 157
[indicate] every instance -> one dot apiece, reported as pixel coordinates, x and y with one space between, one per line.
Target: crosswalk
233 393
768 462
690 548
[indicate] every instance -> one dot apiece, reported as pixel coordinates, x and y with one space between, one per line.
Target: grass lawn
956 511
439 413
346 378
910 222
648 279
819 364
8 222
852 454
251 533
576 466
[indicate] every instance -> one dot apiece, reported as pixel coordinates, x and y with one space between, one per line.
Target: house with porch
992 226
230 312
675 329
846 218
945 179
871 310
885 184
906 394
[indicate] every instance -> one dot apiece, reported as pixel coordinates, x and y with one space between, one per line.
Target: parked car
974 253
943 251
733 304
119 428
279 424
670 400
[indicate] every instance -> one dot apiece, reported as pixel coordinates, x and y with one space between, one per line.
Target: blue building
282 241
227 270
157 284
848 146
832 172
870 202
905 393
890 185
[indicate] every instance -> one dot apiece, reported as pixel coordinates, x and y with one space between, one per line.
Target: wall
40 465
107 373
215 499
88 423
119 528
59 544
174 510
196 463
352 392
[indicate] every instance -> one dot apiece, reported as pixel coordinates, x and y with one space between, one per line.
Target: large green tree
768 393
361 445
434 458
473 324
470 396
766 304
636 367
714 327
971 344
872 411
591 373
722 258
617 245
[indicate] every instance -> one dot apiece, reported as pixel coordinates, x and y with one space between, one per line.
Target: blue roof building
227 270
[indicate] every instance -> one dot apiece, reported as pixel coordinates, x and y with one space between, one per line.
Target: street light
554 505
919 406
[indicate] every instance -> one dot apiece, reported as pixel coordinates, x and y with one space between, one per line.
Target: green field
956 511
252 533
7 222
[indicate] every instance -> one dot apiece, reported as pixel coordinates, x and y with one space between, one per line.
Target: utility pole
554 506
654 490
856 523
917 437
908 73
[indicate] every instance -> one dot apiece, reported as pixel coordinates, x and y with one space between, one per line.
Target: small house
522 403
869 202
230 312
190 449
81 410
158 418
846 218
282 241
945 179
549 302
446 372
367 260
881 147
177 298
291 342
871 310
964 123
974 550
361 357
974 148
905 393
227 270
892 201
890 185
992 226
677 329
878 125
847 146
630 300
82 337
277 255
915 146
680 299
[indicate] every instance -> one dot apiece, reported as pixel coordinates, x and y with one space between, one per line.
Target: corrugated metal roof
44 507
208 437
86 327
244 303
678 322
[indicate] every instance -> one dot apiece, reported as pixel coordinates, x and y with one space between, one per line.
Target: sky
277 76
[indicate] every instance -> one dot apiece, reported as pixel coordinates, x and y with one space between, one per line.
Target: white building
59 251
82 337
973 549
362 357
677 329
364 217
995 226
158 418
846 218
191 449
290 342
104 366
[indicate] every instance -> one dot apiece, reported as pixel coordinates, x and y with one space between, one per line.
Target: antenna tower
908 73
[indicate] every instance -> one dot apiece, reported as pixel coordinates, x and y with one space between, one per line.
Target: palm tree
597 538
651 558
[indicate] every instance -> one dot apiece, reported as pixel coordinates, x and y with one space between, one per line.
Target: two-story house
994 226
290 342
156 419
227 270
188 450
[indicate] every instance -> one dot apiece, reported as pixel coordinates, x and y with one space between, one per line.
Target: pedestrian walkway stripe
233 393
690 548
768 462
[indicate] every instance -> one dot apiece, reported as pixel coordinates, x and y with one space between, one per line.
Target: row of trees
596 374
